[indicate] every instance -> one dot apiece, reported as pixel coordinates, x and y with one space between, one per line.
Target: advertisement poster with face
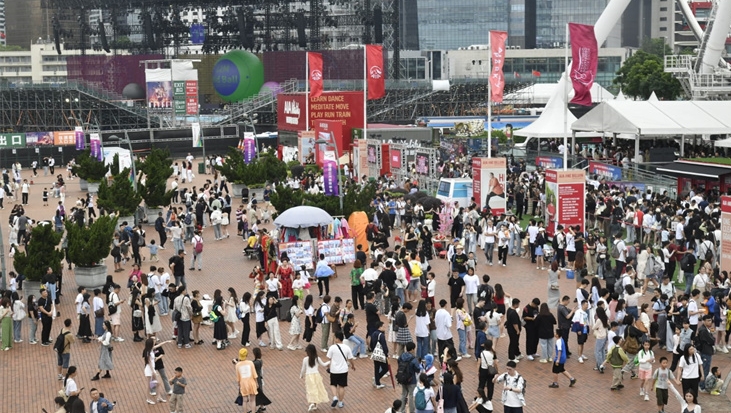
488 183
421 163
565 198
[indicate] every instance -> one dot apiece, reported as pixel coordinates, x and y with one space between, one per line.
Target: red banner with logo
584 52
345 107
374 71
315 77
497 61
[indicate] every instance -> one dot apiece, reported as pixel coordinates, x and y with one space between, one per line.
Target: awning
693 170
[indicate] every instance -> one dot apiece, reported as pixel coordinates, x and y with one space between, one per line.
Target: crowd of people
635 246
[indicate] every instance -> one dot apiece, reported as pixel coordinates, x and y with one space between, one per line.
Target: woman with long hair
230 305
245 308
70 388
619 314
600 329
105 352
259 312
554 293
422 330
18 316
488 358
219 324
152 318
690 370
314 387
261 399
6 321
138 323
32 318
494 324
424 385
148 356
545 327
310 324
295 327
197 317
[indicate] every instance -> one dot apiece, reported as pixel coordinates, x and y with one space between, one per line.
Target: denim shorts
63 360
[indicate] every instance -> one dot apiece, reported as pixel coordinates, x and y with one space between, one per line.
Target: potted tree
119 197
157 169
90 172
39 254
254 175
88 246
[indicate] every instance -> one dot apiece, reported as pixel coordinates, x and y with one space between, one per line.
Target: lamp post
337 159
131 155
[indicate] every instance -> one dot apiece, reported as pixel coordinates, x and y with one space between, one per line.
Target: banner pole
566 102
365 92
307 91
489 96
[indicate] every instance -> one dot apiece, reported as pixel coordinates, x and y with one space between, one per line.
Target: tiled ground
29 378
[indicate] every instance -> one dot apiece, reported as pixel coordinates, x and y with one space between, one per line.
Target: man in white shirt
340 361
693 311
621 261
443 322
532 234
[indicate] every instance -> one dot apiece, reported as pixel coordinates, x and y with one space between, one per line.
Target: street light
337 159
131 155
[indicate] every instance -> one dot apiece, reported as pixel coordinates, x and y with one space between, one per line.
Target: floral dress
285 277
295 327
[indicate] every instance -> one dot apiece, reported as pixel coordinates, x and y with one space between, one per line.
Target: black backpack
554 242
188 219
485 292
60 344
319 317
404 373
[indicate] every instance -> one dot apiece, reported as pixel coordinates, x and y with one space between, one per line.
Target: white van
455 189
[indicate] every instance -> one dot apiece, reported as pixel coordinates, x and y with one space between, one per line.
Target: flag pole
489 96
307 91
566 101
365 92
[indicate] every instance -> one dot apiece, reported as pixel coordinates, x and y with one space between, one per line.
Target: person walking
617 359
245 310
97 306
559 362
408 363
105 353
272 320
197 242
314 386
340 358
322 314
487 371
63 356
380 358
513 385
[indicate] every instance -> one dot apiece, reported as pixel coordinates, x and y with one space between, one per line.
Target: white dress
295 327
230 316
151 326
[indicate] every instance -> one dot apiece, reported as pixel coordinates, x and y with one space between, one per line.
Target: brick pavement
29 371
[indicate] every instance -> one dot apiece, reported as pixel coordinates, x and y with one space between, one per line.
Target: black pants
561 257
519 209
690 385
163 238
136 255
379 369
485 381
25 198
183 332
174 198
46 323
618 270
52 168
247 329
356 294
565 336
502 254
532 252
514 346
326 282
531 341
442 344
310 328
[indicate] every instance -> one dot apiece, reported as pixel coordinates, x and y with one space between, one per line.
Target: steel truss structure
246 24
42 108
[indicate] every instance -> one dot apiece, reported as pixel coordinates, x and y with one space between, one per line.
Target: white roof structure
541 93
656 118
550 123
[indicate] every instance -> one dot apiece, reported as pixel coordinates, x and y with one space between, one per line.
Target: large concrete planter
83 185
237 188
93 187
31 287
152 215
90 277
130 221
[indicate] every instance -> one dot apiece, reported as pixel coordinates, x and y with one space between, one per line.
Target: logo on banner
583 73
376 72
316 75
292 107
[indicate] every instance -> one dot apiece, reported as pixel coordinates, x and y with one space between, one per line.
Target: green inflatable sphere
238 75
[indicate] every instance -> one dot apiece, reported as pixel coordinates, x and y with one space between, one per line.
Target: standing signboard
488 183
565 198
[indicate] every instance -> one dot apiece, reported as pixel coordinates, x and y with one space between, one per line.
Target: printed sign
565 198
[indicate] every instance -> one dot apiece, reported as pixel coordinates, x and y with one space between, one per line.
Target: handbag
153 387
491 370
440 402
378 354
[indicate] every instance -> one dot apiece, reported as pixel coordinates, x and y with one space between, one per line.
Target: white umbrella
303 217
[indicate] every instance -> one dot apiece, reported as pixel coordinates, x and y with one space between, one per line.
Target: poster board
565 198
549 162
725 262
299 253
337 251
488 183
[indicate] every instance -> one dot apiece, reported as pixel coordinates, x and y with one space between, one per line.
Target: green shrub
40 253
89 245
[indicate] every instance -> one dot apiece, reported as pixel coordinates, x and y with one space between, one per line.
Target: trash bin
201 168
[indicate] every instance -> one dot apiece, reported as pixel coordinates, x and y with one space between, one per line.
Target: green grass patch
720 161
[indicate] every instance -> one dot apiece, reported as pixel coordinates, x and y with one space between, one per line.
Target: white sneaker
488 405
581 359
530 358
642 392
647 398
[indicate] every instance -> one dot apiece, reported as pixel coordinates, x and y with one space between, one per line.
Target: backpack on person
60 344
631 345
420 399
554 242
188 219
685 263
198 245
619 286
485 292
319 316
614 251
615 359
404 373
708 256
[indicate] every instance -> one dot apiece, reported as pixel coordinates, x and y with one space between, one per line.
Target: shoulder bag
378 354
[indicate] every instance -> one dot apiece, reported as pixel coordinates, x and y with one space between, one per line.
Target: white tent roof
723 143
620 96
657 118
550 123
541 93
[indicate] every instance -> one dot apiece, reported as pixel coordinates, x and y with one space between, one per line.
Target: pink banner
497 57
330 174
249 147
584 53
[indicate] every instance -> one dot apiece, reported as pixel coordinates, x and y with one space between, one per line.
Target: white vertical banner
195 128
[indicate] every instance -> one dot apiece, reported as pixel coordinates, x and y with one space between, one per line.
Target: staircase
108 97
236 111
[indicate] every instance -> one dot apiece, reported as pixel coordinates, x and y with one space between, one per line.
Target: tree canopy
643 73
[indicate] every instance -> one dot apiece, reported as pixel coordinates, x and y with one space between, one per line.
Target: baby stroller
548 252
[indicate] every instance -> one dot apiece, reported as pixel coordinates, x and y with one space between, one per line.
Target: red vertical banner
315 77
584 54
374 71
497 61
477 181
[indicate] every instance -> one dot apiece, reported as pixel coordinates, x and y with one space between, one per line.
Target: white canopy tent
550 124
649 119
